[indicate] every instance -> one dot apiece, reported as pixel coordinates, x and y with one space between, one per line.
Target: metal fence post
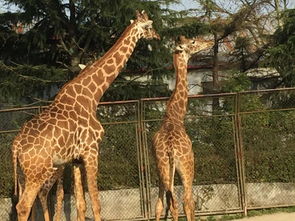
240 155
140 160
144 163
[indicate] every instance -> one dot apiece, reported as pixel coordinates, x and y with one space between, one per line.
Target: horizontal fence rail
243 145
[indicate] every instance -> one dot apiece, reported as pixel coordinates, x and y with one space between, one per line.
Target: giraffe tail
170 201
169 194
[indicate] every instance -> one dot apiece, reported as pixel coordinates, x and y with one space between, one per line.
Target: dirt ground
271 217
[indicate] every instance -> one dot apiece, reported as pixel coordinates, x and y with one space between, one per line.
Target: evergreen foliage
281 54
62 34
22 83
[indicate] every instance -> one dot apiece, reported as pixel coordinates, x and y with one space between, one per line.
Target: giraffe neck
89 86
177 104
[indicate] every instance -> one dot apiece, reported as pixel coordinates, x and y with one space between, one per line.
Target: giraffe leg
172 204
59 198
21 186
43 199
160 203
91 167
167 183
189 204
43 194
27 199
79 194
186 172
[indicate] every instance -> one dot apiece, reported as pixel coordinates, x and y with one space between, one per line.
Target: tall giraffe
171 145
68 129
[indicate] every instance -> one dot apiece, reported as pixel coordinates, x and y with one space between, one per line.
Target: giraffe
69 129
172 146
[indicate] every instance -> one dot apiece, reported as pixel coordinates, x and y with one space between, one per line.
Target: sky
184 5
188 4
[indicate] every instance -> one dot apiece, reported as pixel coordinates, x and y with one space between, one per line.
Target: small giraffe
171 145
69 129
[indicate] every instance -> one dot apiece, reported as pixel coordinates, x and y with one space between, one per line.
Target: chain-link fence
243 145
268 129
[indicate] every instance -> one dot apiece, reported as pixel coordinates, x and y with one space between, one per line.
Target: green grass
251 213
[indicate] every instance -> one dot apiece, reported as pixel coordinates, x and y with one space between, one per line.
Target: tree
63 34
281 54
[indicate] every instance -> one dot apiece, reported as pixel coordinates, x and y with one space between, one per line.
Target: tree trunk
215 69
215 65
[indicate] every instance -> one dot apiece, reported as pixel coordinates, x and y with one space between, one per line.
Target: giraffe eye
194 42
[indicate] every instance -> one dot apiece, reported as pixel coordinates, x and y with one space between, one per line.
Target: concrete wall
270 194
125 204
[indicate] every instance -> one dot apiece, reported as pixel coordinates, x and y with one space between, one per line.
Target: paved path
271 217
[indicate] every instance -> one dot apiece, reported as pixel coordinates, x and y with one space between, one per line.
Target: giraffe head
193 45
144 25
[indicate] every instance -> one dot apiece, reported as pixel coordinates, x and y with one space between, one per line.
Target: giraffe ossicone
68 129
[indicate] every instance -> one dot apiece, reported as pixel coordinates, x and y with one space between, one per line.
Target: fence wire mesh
268 128
243 145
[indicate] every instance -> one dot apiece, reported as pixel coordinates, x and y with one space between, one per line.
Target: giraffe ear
147 24
81 66
179 48
150 48
131 21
